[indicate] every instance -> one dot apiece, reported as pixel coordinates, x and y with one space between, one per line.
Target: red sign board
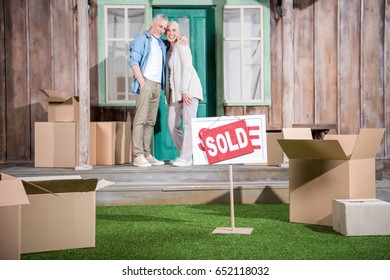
226 141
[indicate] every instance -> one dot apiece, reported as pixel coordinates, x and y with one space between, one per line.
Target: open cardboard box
61 108
61 214
338 167
12 196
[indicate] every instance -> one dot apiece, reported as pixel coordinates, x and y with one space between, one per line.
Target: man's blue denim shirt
139 53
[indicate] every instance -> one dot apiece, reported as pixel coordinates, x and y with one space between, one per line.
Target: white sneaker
173 160
182 162
141 161
153 161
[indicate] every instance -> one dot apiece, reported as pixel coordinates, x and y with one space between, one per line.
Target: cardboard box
274 152
360 217
61 108
297 133
57 144
61 214
92 143
113 144
123 143
12 196
338 167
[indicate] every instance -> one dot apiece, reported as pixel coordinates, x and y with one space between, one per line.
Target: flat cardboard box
12 196
61 108
113 143
61 214
361 217
338 167
57 145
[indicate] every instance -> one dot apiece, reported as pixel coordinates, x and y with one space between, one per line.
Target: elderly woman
185 92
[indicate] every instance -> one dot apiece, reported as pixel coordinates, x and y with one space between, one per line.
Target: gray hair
172 22
160 16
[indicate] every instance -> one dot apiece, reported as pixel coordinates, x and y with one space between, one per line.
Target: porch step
183 185
160 174
193 185
125 193
177 185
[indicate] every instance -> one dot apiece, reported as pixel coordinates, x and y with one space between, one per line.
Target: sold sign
226 141
217 138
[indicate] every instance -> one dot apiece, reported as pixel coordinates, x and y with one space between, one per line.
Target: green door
199 26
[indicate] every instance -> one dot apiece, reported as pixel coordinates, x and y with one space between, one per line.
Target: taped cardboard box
361 217
338 167
12 196
57 144
61 108
61 214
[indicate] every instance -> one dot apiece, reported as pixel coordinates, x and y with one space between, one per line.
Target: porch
167 184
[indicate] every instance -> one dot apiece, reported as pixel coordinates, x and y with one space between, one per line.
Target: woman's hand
186 99
183 40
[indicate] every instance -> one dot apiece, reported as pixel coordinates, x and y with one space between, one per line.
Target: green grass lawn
184 232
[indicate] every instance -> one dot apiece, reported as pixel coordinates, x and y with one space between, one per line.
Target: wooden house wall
341 67
38 50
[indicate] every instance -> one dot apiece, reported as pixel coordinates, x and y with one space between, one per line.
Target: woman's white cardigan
183 76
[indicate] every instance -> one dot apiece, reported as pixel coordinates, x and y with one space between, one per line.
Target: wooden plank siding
40 61
372 65
386 103
63 36
18 130
3 131
287 66
349 66
339 71
93 57
303 61
325 62
275 110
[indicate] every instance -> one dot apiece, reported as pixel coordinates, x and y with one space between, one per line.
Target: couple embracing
163 64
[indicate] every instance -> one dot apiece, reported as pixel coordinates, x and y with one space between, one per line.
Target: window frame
242 39
126 41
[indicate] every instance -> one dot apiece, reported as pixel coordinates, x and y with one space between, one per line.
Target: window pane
117 72
136 22
184 24
232 70
115 21
252 23
252 70
231 23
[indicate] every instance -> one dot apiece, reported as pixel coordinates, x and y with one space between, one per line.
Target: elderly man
148 63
